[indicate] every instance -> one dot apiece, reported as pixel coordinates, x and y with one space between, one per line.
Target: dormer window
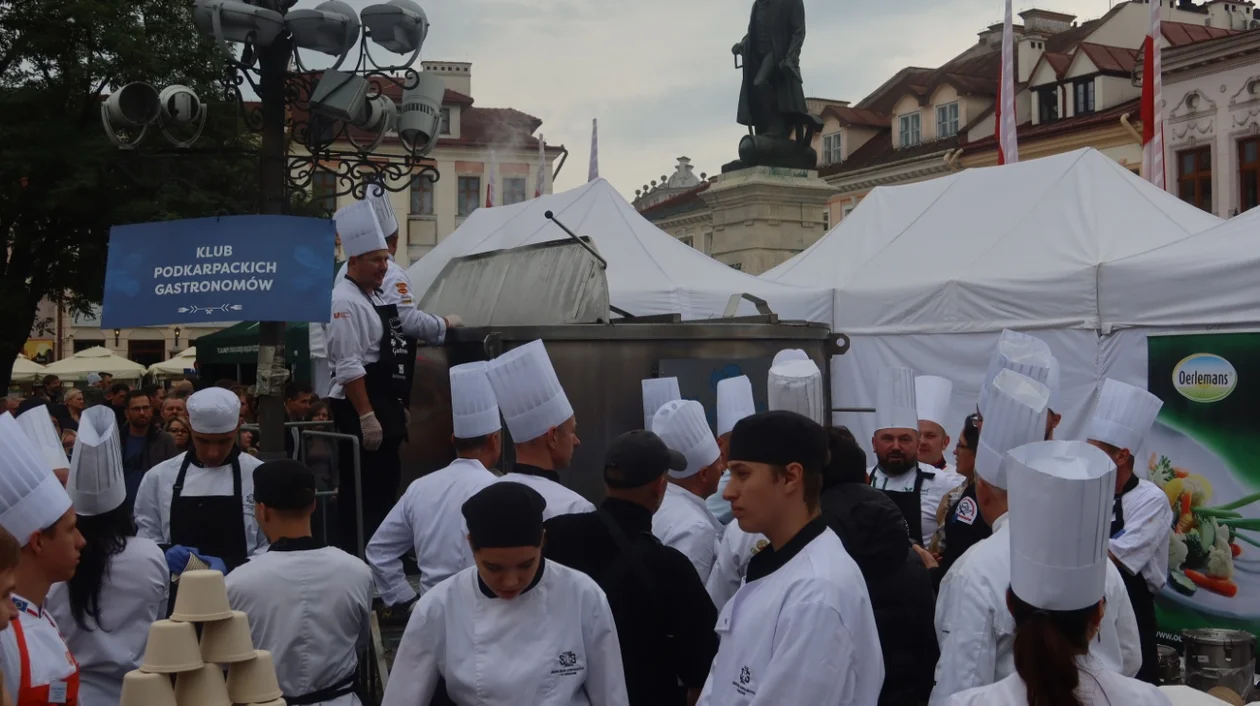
1047 104
1084 93
446 122
831 149
910 130
946 120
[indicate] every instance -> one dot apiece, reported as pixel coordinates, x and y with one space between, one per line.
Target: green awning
238 345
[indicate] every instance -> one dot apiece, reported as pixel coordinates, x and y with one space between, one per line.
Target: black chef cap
505 515
779 438
29 404
284 485
637 458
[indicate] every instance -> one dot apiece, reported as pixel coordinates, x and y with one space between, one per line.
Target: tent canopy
94 360
1018 246
176 366
26 370
238 344
649 271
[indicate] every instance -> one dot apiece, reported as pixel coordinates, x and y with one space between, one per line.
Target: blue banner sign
231 268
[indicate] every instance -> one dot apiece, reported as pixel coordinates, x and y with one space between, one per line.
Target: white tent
927 275
649 271
175 367
26 370
94 360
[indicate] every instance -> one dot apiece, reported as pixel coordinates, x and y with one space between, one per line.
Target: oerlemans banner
232 268
1202 453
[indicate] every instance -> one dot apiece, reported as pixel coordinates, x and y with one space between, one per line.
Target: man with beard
916 488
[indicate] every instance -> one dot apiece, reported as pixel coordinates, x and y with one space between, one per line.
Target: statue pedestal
763 216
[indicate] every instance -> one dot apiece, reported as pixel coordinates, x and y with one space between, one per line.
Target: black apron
214 524
964 527
1140 596
909 502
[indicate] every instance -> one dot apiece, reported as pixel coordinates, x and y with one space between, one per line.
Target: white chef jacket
560 500
719 506
50 659
685 523
929 498
804 634
353 337
153 499
429 520
309 608
1142 545
553 645
133 596
976 631
735 549
1098 686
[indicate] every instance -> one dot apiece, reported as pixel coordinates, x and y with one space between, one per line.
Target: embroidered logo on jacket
967 511
745 678
568 664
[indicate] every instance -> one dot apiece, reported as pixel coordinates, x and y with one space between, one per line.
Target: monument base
763 216
762 151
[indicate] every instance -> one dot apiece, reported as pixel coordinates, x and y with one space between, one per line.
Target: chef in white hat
1021 353
1142 518
736 547
122 582
787 355
371 361
35 509
796 386
734 402
932 395
974 629
1055 598
683 521
541 422
202 501
916 488
427 519
656 392
39 428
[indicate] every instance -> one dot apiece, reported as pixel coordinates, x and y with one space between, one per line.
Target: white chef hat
359 230
528 391
895 406
96 484
1052 382
682 426
1026 355
214 410
1061 498
734 402
787 355
382 209
1018 406
473 406
797 386
932 395
1123 416
38 425
31 497
656 392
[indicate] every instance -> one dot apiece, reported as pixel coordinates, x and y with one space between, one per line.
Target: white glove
372 432
453 321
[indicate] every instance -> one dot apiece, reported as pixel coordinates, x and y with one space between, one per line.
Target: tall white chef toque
31 497
787 355
656 392
38 425
932 395
1052 382
1018 416
1123 416
682 426
797 386
96 484
382 209
895 405
473 406
528 391
1024 354
1061 498
734 402
359 230
214 410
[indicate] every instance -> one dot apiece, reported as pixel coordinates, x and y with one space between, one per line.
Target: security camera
135 105
239 22
399 26
331 28
421 116
179 104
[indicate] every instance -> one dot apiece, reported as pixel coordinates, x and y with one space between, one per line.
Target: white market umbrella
175 367
26 370
94 360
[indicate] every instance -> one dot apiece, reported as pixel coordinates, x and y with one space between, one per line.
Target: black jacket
875 535
664 616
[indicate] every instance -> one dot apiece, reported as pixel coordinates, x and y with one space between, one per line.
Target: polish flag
1152 102
493 178
1007 136
540 180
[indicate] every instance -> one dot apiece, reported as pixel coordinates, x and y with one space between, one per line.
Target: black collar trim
231 457
485 590
768 560
527 470
296 544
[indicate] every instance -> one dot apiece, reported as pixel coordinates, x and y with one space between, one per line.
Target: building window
513 190
737 266
831 148
844 213
324 186
1249 173
826 219
946 121
1194 177
910 134
446 122
1048 104
146 353
686 240
469 194
1084 96
421 195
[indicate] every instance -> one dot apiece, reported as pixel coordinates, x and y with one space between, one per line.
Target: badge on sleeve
967 511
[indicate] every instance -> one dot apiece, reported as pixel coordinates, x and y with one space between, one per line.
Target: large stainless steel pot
1217 657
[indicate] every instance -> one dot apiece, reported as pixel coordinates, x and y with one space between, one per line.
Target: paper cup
204 687
253 682
144 689
194 564
227 641
202 597
172 648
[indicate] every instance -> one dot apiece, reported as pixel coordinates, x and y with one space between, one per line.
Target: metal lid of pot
1217 636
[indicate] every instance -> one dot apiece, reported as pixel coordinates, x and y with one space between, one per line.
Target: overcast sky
658 74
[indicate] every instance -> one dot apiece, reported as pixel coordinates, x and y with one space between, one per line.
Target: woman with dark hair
181 432
121 583
960 523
